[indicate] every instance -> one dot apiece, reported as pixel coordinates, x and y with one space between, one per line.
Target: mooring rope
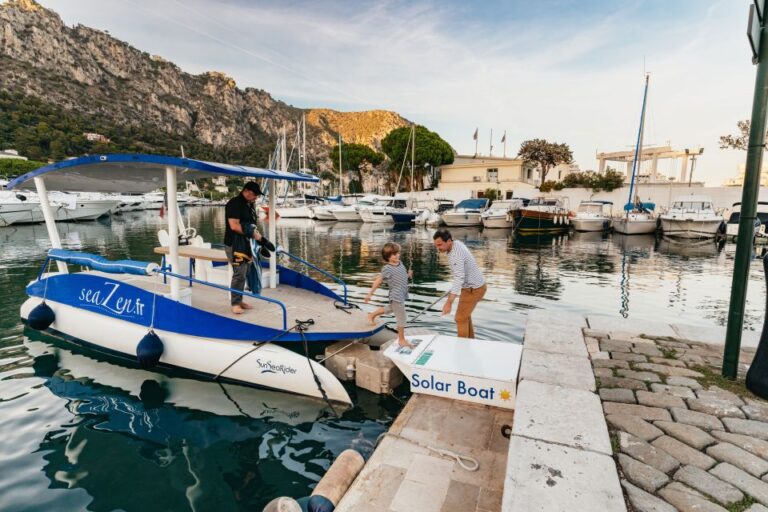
465 461
302 326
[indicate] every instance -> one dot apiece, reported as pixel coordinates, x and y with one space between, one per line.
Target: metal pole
748 213
173 229
50 221
340 191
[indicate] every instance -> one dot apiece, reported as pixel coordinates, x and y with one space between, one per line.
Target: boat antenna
638 147
340 186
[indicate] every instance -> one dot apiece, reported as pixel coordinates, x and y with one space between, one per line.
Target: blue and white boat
159 316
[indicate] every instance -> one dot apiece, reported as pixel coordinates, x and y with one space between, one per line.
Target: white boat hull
271 366
498 222
293 212
690 229
347 215
214 397
323 214
634 226
86 210
590 225
461 219
18 213
375 217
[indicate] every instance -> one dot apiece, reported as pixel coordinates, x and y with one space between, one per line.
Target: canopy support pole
50 222
173 229
272 235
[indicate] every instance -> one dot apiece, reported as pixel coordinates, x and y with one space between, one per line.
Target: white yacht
592 216
153 201
296 208
691 217
502 214
350 213
82 205
466 213
732 226
381 211
24 207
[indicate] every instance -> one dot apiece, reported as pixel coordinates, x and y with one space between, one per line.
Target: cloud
560 70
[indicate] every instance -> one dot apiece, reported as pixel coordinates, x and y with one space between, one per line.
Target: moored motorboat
591 216
761 222
466 213
543 215
691 217
502 214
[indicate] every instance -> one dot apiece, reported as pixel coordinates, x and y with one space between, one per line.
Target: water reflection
81 433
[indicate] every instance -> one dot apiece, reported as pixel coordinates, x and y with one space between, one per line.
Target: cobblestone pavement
683 438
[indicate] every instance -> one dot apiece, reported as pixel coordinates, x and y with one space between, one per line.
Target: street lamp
693 153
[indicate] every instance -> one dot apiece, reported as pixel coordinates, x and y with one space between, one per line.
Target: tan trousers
467 301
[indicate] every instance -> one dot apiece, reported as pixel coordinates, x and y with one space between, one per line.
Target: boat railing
189 279
317 269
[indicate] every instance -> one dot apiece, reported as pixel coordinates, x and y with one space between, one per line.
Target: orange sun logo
505 395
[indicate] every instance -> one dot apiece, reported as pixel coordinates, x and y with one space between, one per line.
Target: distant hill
58 82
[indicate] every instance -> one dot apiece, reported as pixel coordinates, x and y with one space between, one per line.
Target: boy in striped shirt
396 277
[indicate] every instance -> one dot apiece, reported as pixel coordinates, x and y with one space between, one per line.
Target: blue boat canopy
473 204
138 173
645 206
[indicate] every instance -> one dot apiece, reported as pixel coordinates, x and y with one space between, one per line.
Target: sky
569 71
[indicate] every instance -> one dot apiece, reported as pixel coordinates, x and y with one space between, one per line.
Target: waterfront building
738 180
475 174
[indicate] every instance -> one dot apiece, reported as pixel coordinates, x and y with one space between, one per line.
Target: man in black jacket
239 214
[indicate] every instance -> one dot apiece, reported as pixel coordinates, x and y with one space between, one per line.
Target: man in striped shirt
468 281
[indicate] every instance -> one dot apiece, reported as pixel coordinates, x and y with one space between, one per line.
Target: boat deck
300 305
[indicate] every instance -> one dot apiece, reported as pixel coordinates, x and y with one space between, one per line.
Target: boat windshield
591 208
542 201
692 205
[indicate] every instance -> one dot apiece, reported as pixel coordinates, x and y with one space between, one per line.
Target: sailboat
402 214
638 217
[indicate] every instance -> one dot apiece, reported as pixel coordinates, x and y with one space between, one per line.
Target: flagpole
476 138
490 151
504 139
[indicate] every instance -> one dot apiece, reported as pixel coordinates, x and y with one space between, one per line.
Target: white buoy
283 504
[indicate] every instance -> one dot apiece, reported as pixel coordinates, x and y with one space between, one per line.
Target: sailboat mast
340 192
304 139
638 148
413 154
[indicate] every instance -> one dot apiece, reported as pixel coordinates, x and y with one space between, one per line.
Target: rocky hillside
90 73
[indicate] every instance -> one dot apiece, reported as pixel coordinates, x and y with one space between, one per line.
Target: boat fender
149 350
41 317
557 219
567 219
283 504
336 481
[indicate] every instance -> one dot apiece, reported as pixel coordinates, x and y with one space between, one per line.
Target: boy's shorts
398 308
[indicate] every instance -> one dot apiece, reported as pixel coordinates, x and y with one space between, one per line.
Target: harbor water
81 433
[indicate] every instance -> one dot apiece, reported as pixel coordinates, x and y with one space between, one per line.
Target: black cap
253 187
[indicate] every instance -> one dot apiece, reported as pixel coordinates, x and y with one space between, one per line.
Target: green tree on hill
545 154
355 156
431 150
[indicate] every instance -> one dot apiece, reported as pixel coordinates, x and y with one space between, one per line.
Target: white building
473 175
